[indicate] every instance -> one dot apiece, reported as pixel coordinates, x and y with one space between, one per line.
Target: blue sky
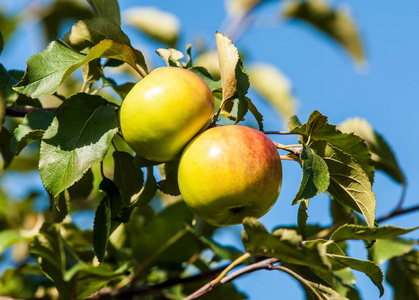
385 92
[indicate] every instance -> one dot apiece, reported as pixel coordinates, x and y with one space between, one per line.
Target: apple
228 173
164 111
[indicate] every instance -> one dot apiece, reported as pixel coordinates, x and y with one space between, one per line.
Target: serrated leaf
106 8
6 153
7 95
336 23
316 176
123 89
359 232
284 244
159 25
171 57
92 72
302 218
102 228
113 196
78 137
206 77
349 184
82 188
60 207
253 109
31 129
128 178
383 250
381 153
369 268
318 128
230 64
403 275
45 70
274 87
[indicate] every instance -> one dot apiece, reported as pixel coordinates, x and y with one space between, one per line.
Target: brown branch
398 212
278 132
22 111
266 264
295 151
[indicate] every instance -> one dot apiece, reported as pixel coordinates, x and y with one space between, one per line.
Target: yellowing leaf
155 23
337 24
240 8
274 87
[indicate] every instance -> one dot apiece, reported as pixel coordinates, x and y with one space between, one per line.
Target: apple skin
164 111
230 172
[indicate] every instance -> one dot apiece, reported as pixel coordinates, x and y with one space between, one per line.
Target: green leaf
92 72
108 9
383 250
45 71
82 188
78 137
7 95
337 24
284 244
359 232
274 87
349 184
253 109
221 252
206 76
302 218
123 89
169 184
113 195
159 25
127 177
8 238
7 154
171 57
31 129
316 177
102 228
382 155
317 128
149 189
60 207
369 268
1 43
403 275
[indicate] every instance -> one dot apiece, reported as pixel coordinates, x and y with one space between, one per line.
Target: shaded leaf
369 268
318 128
159 25
149 189
1 43
381 153
403 276
60 207
359 232
206 77
349 184
123 89
45 71
383 250
102 228
274 87
6 153
284 244
92 72
106 8
127 177
78 137
83 187
7 95
337 24
169 184
31 129
302 218
315 175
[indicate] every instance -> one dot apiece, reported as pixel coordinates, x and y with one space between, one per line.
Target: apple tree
61 119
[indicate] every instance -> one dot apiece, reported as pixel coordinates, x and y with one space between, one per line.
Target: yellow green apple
164 111
230 172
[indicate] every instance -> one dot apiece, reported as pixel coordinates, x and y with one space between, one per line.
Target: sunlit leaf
369 268
108 9
318 128
207 77
239 8
78 137
359 232
274 87
31 129
284 244
157 24
349 184
315 175
383 250
335 23
45 70
171 56
403 275
382 155
8 238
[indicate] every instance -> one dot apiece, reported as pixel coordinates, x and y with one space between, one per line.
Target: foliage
144 240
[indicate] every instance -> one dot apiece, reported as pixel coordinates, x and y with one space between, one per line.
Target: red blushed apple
230 172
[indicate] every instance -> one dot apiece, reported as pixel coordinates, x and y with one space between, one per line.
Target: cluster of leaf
144 240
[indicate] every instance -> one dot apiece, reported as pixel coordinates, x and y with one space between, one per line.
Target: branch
291 149
398 212
266 264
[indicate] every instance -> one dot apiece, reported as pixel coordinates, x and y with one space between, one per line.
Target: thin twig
295 151
278 132
398 212
23 111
